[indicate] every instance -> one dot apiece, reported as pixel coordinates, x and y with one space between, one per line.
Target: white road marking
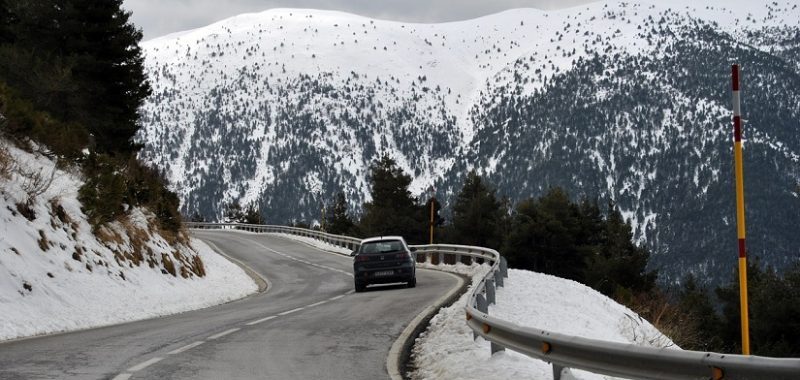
220 335
303 260
184 348
144 365
257 321
291 311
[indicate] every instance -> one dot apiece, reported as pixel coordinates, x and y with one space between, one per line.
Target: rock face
628 102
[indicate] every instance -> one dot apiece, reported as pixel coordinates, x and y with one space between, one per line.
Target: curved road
307 325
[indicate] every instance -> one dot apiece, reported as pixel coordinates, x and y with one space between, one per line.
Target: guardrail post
441 258
498 279
482 306
504 267
490 292
497 348
557 371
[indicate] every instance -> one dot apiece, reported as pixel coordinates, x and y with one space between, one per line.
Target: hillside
624 101
57 274
446 349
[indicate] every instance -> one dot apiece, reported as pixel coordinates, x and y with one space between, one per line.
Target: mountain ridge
265 109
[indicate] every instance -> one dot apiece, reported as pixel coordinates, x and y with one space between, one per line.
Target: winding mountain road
308 324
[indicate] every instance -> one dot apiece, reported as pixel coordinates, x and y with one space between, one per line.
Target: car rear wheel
360 287
412 283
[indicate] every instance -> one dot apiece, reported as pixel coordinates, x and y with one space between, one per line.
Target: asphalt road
307 325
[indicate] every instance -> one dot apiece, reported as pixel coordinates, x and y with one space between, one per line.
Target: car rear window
383 246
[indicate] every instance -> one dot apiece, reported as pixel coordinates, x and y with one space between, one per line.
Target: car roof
381 238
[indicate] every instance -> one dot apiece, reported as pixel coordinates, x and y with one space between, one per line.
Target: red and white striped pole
737 155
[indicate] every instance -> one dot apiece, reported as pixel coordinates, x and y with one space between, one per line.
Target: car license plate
384 273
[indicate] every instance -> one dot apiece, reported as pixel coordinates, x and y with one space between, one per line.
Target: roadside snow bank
56 275
446 349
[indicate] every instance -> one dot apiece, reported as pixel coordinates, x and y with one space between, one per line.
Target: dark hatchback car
384 260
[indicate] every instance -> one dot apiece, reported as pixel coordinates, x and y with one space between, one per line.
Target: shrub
22 120
103 193
169 265
147 187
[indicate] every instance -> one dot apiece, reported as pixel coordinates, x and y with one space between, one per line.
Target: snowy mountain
625 101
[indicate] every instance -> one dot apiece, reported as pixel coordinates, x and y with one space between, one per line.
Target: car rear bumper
381 275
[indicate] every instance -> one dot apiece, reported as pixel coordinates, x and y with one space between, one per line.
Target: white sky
159 17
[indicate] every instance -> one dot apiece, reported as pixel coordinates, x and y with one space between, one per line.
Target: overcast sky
160 17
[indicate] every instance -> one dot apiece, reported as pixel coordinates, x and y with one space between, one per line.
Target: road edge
262 282
400 352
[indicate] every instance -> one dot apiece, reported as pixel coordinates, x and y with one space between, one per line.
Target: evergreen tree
253 215
233 213
619 268
109 67
80 61
695 303
543 237
477 214
774 311
392 210
338 220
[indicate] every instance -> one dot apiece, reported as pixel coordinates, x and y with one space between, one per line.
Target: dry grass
26 210
667 318
198 267
44 244
169 266
173 238
58 213
108 236
138 239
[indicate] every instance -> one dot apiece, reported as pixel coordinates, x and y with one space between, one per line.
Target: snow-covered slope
446 349
284 108
56 275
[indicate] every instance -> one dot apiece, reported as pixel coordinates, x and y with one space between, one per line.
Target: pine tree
233 213
543 237
774 311
619 268
700 318
86 61
392 210
109 67
253 215
338 220
477 214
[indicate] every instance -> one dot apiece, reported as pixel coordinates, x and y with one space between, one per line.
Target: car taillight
360 258
401 256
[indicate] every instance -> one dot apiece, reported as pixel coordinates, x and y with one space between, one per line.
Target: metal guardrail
337 240
561 350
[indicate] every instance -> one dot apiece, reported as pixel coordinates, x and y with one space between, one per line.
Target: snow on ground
55 275
446 349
